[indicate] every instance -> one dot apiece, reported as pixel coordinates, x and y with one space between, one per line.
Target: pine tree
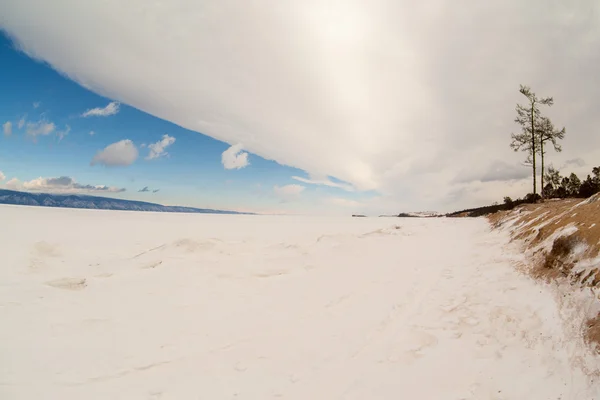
553 177
573 185
596 178
527 117
547 133
588 187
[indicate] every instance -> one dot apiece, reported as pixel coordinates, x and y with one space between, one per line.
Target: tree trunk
542 156
533 146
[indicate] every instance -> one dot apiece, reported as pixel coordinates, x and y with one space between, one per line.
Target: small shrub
532 198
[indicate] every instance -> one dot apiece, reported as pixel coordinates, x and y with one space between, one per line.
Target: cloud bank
63 184
395 96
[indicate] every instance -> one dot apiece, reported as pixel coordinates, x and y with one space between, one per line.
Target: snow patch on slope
556 249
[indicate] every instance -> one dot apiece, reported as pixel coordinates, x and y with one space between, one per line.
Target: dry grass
556 263
555 215
496 218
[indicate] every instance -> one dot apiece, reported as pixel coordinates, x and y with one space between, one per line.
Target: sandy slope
121 305
561 243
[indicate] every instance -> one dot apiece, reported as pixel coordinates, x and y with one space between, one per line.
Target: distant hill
418 214
94 202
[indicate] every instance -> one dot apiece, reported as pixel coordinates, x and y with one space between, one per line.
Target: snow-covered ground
125 305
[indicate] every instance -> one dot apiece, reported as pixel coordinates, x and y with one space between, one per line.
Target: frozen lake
126 305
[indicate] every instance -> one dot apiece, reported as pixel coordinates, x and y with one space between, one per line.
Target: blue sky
190 171
411 107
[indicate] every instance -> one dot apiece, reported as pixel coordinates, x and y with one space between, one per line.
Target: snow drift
124 305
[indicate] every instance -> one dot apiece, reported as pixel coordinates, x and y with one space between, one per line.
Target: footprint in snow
68 283
152 265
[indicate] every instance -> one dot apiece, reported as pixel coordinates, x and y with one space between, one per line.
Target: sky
355 106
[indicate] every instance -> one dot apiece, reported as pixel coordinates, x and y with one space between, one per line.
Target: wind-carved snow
101 304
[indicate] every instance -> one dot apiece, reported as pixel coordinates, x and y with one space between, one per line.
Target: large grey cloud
392 95
576 162
496 171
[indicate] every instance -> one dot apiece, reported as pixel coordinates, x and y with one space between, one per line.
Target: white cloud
37 104
7 128
13 184
111 109
324 181
234 157
2 176
21 123
384 95
121 154
92 133
61 134
157 149
63 184
288 192
39 128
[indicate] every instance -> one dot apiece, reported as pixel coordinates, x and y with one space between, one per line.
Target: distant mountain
94 202
418 214
424 214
